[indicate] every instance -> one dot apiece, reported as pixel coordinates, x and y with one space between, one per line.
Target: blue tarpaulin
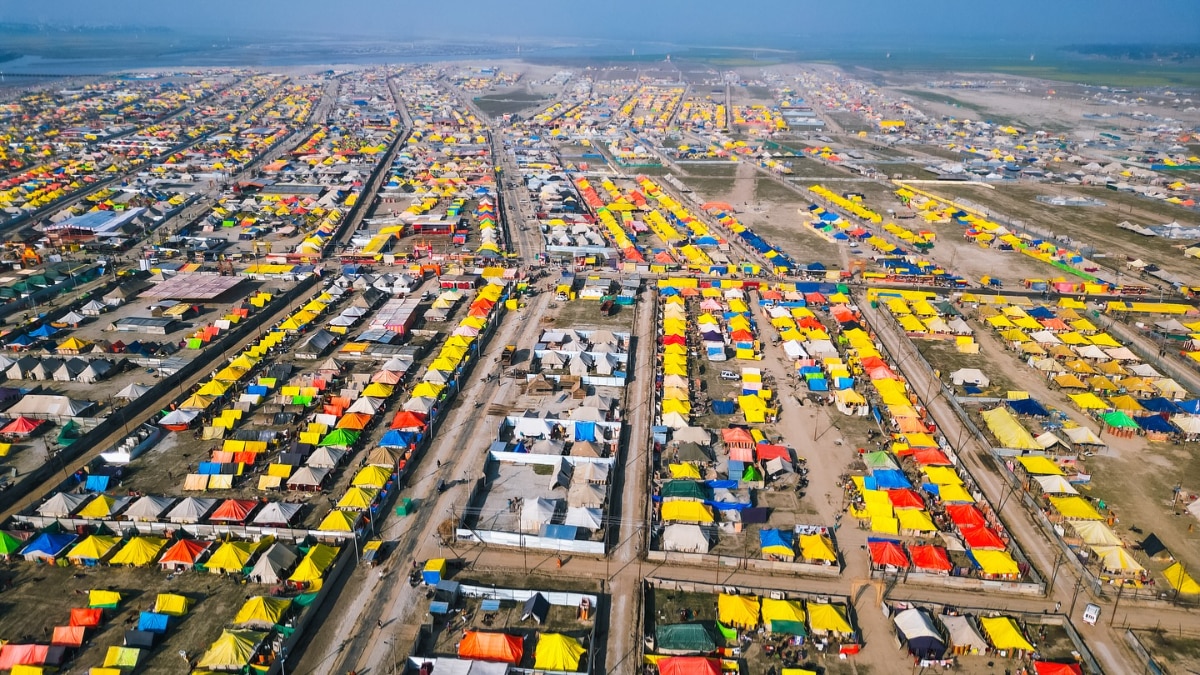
721 407
889 479
1160 405
774 538
1154 423
96 483
1028 406
152 622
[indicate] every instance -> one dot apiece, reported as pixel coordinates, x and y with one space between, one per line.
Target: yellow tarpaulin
817 547
171 604
995 562
738 610
1180 580
1008 431
686 510
1004 633
1038 465
1075 508
826 618
558 652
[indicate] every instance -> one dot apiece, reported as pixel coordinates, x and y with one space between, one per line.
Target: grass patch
508 102
712 169
769 190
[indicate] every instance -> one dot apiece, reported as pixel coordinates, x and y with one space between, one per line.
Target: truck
510 351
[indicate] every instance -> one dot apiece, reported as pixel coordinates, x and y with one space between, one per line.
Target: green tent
751 473
68 434
879 459
683 637
1117 419
340 437
788 628
9 545
684 489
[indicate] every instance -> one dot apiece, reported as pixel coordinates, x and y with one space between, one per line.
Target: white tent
585 495
685 538
1095 533
276 513
307 477
72 318
48 404
133 391
588 519
1188 424
96 370
561 474
915 624
1082 436
963 635
537 512
273 564
590 472
1049 440
972 376
586 414
191 510
1056 485
420 404
62 505
366 404
697 435
325 458
148 508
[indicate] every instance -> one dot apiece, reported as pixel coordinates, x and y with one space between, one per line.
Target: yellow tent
196 402
99 598
262 612
782 610
817 547
100 507
1008 430
231 557
139 551
687 510
954 494
915 519
685 470
995 562
1180 580
232 651
380 390
1088 401
125 658
172 604
213 388
558 652
1037 465
372 477
738 610
358 499
1004 633
1075 508
941 475
94 547
338 521
314 564
825 618
1117 560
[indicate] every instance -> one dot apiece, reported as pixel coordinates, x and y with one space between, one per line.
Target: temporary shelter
738 610
191 510
685 537
826 619
231 557
689 665
784 616
1004 633
273 564
148 508
232 651
262 612
919 634
139 551
558 652
491 646
276 514
183 554
537 512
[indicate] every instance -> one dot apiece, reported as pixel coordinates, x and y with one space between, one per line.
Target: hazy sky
729 22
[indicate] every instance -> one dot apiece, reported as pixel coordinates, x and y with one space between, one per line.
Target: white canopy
685 538
587 518
191 510
962 633
1056 485
307 476
325 458
914 623
276 513
585 495
148 508
1082 436
62 505
133 391
537 512
272 565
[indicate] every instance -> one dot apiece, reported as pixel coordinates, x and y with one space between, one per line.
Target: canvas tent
919 634
272 566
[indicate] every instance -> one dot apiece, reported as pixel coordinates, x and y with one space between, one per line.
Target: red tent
689 665
887 552
930 558
234 510
22 426
965 515
982 537
68 636
742 335
873 362
905 499
674 340
766 451
16 655
1049 668
814 298
408 420
183 553
491 647
356 421
86 617
928 457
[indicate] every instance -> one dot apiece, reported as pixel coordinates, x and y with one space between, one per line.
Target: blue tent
1160 405
43 331
398 439
96 483
1028 406
1041 313
1154 423
21 341
889 479
722 407
1191 407
48 545
774 538
153 622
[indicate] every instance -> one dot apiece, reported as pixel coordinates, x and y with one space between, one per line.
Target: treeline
1174 53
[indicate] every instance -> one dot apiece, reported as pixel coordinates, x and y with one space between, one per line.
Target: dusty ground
1177 652
1133 476
29 612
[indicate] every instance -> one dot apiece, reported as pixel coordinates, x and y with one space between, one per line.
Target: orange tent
68 636
408 420
689 665
86 617
483 646
183 553
234 510
355 421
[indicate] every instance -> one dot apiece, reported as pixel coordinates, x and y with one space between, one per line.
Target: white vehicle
1091 614
728 375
